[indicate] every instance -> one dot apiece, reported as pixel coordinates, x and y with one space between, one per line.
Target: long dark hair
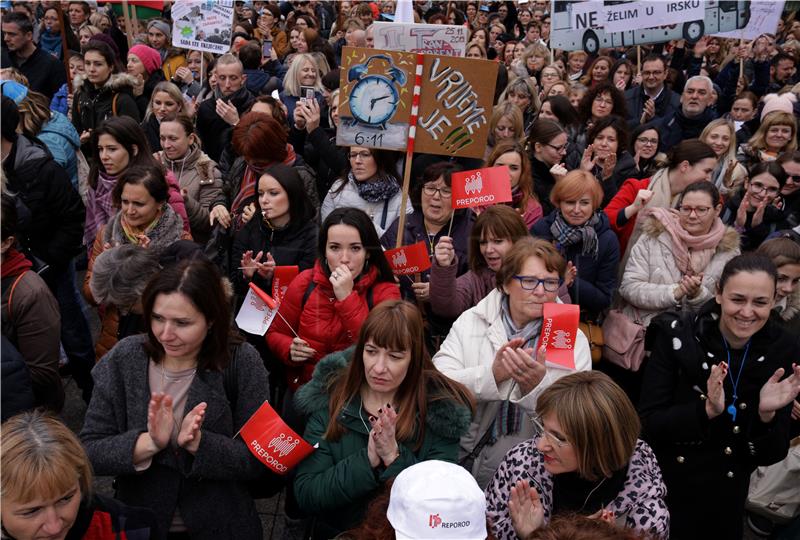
130 135
385 160
614 122
300 209
747 262
359 220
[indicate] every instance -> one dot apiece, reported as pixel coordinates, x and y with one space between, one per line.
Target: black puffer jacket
55 231
93 105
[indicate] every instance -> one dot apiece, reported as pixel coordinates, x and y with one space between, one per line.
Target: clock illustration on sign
374 98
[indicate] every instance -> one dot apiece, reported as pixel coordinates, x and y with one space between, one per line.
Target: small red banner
409 259
560 333
481 187
274 443
281 278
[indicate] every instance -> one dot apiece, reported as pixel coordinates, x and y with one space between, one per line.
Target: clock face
373 100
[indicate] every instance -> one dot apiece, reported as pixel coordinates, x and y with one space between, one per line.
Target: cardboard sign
272 442
259 309
409 259
763 20
202 25
455 102
636 15
481 187
559 334
447 40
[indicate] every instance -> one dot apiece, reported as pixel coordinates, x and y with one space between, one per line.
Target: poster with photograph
202 25
444 39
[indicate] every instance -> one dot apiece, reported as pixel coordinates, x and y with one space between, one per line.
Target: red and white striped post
412 131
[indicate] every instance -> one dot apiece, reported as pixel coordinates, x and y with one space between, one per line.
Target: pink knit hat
149 57
781 103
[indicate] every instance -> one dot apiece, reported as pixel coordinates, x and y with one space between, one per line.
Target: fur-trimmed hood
116 83
730 240
444 417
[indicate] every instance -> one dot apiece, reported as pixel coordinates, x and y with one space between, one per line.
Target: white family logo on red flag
481 187
281 277
559 333
408 259
274 443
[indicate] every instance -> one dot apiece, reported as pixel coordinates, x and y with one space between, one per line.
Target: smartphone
306 92
266 49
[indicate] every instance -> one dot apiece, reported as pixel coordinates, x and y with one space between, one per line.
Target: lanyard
732 407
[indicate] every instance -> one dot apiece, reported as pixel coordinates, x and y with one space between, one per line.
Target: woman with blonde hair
476 50
303 71
522 93
46 487
585 458
729 174
506 123
166 99
776 135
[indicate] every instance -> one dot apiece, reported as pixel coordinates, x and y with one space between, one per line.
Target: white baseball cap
437 499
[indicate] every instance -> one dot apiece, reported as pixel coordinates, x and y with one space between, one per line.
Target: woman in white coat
493 350
678 259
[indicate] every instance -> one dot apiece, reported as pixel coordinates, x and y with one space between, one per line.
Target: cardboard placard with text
481 187
560 334
202 25
272 442
407 260
444 39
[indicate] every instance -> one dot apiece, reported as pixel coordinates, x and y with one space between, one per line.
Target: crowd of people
655 187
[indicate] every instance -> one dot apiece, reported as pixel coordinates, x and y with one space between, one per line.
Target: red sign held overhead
408 259
481 187
560 333
274 443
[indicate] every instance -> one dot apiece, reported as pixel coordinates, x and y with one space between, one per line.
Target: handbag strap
476 451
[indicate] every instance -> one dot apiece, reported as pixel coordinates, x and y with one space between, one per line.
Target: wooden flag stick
128 25
412 129
638 59
64 46
741 61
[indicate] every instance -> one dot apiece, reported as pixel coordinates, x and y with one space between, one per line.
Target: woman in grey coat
165 412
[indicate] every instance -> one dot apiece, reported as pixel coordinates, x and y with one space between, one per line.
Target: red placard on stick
481 187
408 259
275 444
560 333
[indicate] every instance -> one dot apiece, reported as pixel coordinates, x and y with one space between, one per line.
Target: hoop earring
324 265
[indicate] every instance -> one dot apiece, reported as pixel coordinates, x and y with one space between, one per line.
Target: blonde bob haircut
574 185
513 113
41 458
597 418
172 91
777 118
291 83
714 124
522 250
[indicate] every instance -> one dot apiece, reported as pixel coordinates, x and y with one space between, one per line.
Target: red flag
481 187
281 278
559 333
409 259
274 443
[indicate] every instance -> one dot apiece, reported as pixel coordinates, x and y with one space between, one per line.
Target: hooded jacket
336 482
63 142
91 105
640 506
325 323
651 274
55 230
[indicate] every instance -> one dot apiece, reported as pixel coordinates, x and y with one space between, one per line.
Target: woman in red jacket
327 304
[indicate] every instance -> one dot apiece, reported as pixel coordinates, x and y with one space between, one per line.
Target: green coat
336 482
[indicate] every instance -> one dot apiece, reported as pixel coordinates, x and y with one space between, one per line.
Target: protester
144 64
653 101
512 154
729 174
785 255
549 145
45 73
166 100
692 116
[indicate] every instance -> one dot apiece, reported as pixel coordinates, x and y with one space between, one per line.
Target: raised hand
588 161
300 350
159 419
525 508
500 370
444 252
570 274
715 403
227 112
523 368
189 435
250 264
777 393
422 291
383 431
648 111
758 217
741 213
248 212
343 282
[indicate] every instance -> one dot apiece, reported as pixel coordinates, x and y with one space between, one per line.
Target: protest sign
447 40
409 259
259 309
764 18
641 14
481 187
375 102
202 25
272 442
559 334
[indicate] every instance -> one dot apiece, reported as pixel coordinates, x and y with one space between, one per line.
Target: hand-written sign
409 259
455 102
448 40
481 187
560 333
636 15
764 18
202 25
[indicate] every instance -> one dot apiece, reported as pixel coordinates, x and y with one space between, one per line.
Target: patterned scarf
164 231
99 207
247 187
381 188
692 252
567 235
509 417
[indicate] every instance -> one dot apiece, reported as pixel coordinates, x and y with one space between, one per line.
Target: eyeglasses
603 101
559 149
701 211
645 141
363 155
795 178
647 74
444 192
530 283
554 440
758 187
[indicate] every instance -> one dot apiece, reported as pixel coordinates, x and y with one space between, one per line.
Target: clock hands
375 100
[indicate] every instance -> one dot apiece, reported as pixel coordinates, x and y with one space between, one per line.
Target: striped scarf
567 235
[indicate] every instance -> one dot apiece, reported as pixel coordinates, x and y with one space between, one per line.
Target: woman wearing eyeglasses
752 211
370 184
493 350
677 260
644 149
586 458
549 143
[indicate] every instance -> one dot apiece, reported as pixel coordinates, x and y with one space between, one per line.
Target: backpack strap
114 104
11 291
230 376
369 299
309 289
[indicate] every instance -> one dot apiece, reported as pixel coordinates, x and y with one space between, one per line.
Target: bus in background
720 16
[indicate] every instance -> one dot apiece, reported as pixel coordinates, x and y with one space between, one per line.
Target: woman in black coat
716 400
